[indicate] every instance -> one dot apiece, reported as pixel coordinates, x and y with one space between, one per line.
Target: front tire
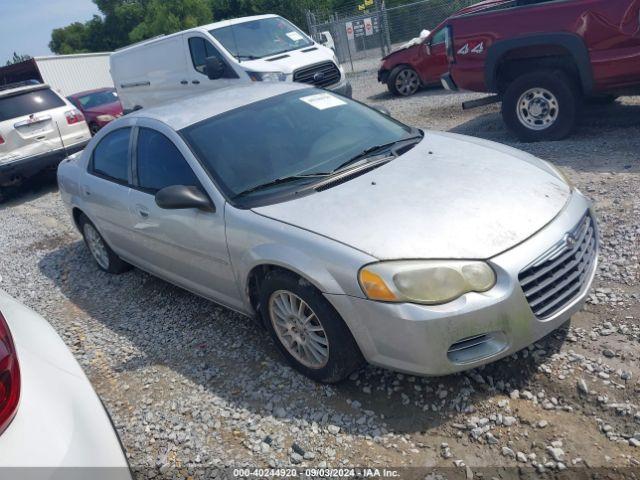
101 252
403 81
541 106
307 330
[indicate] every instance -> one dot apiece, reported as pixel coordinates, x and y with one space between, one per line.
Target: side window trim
91 164
229 72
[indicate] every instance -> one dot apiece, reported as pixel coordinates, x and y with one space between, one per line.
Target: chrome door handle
196 82
143 213
184 82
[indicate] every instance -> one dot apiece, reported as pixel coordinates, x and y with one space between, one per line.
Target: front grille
558 276
320 75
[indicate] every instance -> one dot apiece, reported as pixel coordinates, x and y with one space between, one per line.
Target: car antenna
64 148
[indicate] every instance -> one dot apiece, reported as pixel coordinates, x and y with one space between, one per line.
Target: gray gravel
192 385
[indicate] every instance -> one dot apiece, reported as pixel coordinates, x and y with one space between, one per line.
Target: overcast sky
27 24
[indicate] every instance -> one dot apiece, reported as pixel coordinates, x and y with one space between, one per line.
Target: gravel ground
191 385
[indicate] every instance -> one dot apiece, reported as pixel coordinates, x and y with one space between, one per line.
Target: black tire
393 80
567 99
343 353
111 263
93 128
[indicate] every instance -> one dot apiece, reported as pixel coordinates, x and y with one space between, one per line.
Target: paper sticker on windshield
295 36
323 101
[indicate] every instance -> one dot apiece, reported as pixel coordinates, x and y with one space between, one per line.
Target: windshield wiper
280 181
247 57
367 152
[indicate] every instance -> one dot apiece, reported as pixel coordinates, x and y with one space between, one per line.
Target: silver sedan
349 236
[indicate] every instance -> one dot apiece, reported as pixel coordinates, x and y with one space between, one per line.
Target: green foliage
125 21
17 58
169 16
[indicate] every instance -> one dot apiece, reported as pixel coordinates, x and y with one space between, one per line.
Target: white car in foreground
51 420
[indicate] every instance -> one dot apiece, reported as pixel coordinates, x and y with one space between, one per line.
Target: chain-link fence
364 31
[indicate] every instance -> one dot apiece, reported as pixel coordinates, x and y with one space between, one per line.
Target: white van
259 48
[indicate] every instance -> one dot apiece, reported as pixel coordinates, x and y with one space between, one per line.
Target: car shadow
587 149
43 183
151 323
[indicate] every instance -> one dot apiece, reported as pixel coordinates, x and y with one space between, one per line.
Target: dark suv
542 58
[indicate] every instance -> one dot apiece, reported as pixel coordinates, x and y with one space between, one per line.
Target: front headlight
429 282
105 118
267 76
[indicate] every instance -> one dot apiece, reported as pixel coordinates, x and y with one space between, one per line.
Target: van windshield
261 38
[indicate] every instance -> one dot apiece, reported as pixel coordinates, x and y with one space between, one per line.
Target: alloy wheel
299 329
96 246
407 82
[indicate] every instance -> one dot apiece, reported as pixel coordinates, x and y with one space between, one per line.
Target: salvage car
38 128
51 420
349 235
99 106
416 64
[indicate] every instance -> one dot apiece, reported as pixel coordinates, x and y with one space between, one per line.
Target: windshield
93 100
261 38
299 133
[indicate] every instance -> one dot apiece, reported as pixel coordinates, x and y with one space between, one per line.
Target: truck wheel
306 328
541 106
403 81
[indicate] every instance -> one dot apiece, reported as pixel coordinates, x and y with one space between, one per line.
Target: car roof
10 92
89 92
201 28
235 21
192 109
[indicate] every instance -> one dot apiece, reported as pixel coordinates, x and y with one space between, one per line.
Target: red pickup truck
543 58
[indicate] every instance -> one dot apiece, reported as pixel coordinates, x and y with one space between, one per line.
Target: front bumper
343 88
16 170
418 339
61 429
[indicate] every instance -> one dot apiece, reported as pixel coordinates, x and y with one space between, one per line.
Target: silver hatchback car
349 235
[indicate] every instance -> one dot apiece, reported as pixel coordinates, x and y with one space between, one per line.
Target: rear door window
111 156
160 164
27 103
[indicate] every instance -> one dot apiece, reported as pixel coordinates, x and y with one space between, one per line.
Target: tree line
123 22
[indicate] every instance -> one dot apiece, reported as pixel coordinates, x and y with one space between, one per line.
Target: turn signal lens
375 288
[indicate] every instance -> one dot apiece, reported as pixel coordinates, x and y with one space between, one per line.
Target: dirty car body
438 254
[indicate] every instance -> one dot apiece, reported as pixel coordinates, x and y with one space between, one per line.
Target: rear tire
541 106
307 330
101 252
93 128
404 81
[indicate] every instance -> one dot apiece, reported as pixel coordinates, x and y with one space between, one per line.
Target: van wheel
541 106
306 328
101 252
404 81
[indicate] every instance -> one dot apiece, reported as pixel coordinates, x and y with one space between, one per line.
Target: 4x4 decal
466 49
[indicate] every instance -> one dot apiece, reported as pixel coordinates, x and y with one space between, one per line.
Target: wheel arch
506 50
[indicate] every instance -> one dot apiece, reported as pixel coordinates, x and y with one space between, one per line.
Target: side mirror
178 197
214 68
383 110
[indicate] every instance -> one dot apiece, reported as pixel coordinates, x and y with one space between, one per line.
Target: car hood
449 197
289 62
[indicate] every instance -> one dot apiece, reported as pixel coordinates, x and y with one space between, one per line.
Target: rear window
28 103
